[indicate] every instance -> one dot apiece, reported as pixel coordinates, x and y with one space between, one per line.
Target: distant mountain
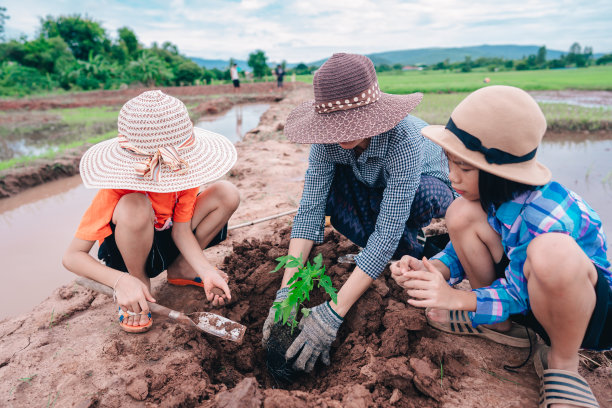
425 56
428 56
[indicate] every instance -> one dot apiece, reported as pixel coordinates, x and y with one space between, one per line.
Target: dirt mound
385 354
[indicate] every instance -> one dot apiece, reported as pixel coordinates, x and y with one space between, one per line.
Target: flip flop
560 386
123 314
197 281
458 322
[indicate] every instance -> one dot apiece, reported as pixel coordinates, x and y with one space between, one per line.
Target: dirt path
70 352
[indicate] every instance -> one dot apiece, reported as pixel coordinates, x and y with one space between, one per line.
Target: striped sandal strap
566 387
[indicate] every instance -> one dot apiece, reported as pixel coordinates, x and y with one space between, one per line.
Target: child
148 215
527 245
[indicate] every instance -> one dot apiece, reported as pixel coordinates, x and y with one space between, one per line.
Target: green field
437 107
397 82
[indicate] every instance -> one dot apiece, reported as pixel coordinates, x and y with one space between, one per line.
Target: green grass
436 109
397 82
86 116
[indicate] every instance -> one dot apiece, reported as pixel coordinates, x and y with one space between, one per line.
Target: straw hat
157 150
497 129
348 104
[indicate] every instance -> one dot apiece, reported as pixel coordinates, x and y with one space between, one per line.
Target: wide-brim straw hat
496 129
348 104
157 150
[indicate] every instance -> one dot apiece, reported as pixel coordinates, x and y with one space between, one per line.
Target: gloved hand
281 295
319 330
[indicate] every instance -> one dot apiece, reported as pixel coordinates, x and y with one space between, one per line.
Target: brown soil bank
119 97
385 354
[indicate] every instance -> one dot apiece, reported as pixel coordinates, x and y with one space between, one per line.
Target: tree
605 59
128 39
541 57
257 61
150 70
80 33
3 18
188 72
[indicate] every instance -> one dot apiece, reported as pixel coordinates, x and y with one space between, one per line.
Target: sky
310 30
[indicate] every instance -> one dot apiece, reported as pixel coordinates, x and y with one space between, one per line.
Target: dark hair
495 190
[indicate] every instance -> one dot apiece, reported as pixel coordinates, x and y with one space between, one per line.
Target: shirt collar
377 148
509 211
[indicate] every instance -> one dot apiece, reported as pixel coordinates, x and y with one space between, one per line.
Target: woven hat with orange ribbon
157 149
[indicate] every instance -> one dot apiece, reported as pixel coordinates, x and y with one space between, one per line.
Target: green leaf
306 311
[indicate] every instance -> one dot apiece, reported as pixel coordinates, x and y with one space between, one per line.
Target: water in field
38 224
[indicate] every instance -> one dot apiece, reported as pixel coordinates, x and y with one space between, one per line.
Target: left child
149 215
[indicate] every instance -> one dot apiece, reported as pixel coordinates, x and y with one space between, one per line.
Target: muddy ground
70 352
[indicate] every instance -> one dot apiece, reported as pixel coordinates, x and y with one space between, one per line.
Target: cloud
310 30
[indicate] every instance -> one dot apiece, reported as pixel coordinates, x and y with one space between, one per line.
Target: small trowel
207 322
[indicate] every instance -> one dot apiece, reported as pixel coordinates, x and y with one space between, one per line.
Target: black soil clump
279 341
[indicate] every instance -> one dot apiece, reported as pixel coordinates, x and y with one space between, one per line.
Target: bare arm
187 243
132 294
351 291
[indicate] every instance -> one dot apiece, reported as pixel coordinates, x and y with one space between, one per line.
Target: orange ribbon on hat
150 167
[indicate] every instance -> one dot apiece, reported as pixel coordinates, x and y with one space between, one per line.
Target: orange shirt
95 224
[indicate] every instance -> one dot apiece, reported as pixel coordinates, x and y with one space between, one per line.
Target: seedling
300 285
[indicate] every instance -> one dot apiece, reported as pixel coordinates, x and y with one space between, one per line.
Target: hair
495 190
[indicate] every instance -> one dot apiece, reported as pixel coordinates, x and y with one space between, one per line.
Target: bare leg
560 281
134 219
477 245
214 207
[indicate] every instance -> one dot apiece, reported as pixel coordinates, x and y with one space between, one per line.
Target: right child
532 249
148 215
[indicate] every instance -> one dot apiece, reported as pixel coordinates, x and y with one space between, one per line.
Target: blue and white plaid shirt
394 160
550 208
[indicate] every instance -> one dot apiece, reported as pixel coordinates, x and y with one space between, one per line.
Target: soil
70 352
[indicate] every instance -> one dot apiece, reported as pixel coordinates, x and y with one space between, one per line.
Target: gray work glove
319 330
281 295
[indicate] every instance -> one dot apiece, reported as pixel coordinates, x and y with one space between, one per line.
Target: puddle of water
38 224
236 122
37 227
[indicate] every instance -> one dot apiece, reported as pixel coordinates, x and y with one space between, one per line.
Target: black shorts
236 83
598 335
163 251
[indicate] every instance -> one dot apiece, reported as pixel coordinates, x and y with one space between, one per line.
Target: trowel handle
155 308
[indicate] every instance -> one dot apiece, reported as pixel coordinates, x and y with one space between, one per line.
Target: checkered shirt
394 160
550 208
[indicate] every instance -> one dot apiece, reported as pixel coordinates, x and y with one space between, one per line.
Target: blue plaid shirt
550 208
394 160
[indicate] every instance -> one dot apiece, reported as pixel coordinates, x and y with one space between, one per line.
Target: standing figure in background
280 74
235 77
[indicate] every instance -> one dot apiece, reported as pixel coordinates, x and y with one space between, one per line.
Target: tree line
76 53
577 57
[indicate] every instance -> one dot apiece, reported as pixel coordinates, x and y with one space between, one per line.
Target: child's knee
228 194
134 209
556 260
461 214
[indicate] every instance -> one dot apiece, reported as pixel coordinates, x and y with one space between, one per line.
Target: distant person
148 214
235 77
280 74
533 250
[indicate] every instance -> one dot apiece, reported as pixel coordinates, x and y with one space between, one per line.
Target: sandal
458 322
123 314
560 386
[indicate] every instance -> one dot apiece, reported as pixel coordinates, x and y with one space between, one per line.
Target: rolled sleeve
309 222
449 257
404 166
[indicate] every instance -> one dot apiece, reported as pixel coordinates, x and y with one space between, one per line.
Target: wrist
329 315
463 300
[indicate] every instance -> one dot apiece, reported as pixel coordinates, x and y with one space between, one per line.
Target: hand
428 288
318 331
281 295
407 263
132 295
215 287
